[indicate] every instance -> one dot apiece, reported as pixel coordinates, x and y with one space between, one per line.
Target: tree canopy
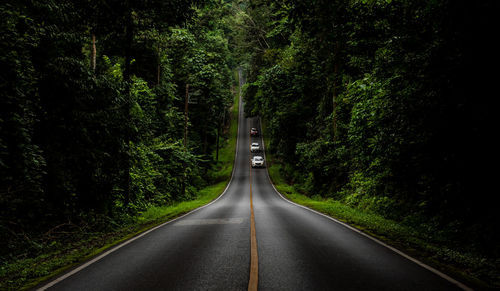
93 97
385 105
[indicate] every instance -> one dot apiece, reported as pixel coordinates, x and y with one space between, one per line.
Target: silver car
257 161
255 147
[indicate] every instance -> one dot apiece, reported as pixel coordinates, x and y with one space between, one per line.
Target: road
211 249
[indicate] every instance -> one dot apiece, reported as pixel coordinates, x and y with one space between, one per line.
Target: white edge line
421 264
119 246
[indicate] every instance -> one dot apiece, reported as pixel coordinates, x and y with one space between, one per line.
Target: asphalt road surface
211 249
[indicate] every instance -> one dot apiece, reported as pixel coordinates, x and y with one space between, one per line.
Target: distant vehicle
254 131
257 161
255 147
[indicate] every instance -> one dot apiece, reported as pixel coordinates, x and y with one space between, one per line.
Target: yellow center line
254 258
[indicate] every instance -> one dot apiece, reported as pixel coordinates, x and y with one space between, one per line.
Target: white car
255 147
257 161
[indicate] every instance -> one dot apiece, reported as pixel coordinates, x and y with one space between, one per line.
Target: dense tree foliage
385 105
93 109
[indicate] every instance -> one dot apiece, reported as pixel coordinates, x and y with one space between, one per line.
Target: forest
387 106
93 124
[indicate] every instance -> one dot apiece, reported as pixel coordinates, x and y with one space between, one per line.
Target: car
254 131
257 161
255 147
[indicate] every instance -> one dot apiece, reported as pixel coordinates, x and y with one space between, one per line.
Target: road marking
254 257
210 221
421 264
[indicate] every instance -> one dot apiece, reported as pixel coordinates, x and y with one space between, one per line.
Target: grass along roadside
424 246
27 273
33 271
39 269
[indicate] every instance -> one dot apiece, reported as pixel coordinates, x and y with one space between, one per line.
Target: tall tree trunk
334 89
186 108
129 35
217 143
205 139
186 113
158 68
93 54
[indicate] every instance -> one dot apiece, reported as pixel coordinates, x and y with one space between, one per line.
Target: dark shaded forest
387 106
93 97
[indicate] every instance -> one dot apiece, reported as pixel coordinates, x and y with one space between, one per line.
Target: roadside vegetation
93 146
74 243
380 113
417 239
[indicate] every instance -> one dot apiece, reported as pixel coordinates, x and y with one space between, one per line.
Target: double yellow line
254 257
